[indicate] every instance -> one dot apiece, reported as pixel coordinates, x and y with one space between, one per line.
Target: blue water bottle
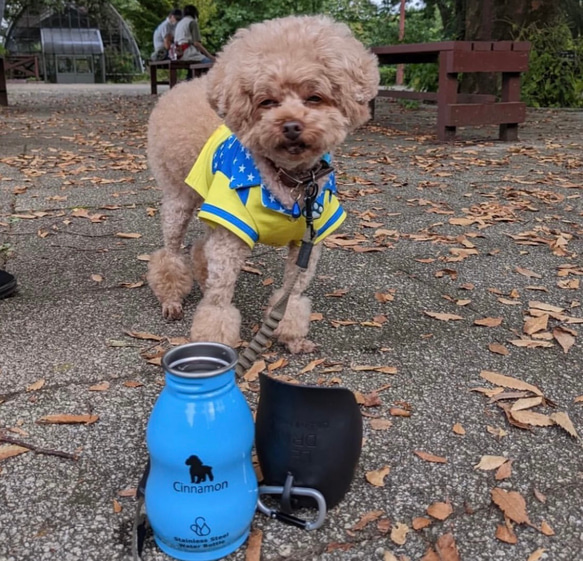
201 492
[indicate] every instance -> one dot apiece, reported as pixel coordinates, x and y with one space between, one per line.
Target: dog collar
321 169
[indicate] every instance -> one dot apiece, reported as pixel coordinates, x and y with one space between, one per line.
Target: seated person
161 33
188 39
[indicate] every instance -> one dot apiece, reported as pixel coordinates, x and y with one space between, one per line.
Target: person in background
187 38
7 284
165 29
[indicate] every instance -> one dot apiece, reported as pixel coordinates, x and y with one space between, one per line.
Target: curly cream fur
306 69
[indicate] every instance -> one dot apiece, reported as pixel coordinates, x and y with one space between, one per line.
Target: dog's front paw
172 310
219 324
299 346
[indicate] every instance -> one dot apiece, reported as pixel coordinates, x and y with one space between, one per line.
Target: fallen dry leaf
458 429
488 322
68 419
103 386
443 316
506 534
488 463
398 412
504 471
12 450
377 477
526 403
36 385
546 529
430 457
311 365
366 519
430 555
498 349
528 273
117 508
130 236
537 554
539 496
420 522
253 552
531 418
399 533
564 338
446 548
511 503
441 511
535 324
253 373
380 424
563 420
509 382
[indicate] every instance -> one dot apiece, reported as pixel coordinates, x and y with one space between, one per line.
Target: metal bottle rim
194 352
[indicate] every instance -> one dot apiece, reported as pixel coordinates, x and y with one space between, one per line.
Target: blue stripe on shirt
237 222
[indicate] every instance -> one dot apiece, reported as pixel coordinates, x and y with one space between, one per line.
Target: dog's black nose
292 130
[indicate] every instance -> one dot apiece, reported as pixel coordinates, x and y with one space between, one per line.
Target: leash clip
287 491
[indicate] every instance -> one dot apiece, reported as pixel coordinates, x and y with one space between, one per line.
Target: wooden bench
454 110
173 66
22 66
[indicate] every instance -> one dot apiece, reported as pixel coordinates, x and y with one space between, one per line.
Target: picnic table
173 66
509 58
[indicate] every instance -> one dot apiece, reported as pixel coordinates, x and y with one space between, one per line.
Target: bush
555 75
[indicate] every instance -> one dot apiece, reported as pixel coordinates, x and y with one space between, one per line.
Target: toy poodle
260 125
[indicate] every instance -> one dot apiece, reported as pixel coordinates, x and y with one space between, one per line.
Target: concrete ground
475 230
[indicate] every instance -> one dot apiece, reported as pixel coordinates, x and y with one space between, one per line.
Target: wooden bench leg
153 80
446 95
3 93
173 76
371 106
510 92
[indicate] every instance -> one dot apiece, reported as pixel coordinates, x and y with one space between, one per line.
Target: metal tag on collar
287 492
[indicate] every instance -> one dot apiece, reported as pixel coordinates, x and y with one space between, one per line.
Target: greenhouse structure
75 46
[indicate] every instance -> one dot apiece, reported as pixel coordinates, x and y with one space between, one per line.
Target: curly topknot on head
293 50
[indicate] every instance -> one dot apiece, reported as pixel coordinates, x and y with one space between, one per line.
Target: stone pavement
438 237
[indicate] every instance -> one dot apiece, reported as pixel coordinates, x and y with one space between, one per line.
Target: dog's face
292 88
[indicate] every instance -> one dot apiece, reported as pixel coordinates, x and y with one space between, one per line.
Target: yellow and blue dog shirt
234 196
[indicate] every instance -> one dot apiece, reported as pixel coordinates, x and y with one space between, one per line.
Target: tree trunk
500 20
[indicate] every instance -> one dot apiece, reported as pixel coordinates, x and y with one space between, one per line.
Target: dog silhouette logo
198 471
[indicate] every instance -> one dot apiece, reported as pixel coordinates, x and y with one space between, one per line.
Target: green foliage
555 75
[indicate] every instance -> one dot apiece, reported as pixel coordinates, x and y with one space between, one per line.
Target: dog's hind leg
215 318
293 328
170 272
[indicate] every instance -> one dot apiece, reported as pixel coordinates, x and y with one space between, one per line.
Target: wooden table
509 58
196 68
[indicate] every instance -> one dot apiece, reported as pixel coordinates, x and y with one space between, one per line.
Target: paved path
475 229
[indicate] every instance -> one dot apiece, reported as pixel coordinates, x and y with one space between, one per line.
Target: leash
259 343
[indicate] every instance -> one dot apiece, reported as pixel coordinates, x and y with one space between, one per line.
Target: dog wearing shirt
246 139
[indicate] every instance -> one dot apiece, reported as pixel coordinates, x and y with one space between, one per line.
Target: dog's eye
268 103
314 99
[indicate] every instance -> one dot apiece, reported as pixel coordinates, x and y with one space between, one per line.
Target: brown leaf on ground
131 493
389 556
447 549
398 412
380 424
506 534
458 429
488 463
441 511
535 324
366 519
133 384
546 529
12 450
253 552
68 419
377 476
563 420
443 316
382 369
36 385
539 496
256 368
488 322
504 471
311 365
430 555
497 432
564 338
420 522
130 236
509 382
426 456
498 349
399 533
528 273
117 508
511 503
337 546
384 525
143 335
101 387
530 343
280 363
537 554
531 418
526 403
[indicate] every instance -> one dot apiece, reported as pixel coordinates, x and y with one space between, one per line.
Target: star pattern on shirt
245 175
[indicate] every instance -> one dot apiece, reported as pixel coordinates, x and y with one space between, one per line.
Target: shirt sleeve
331 219
195 31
